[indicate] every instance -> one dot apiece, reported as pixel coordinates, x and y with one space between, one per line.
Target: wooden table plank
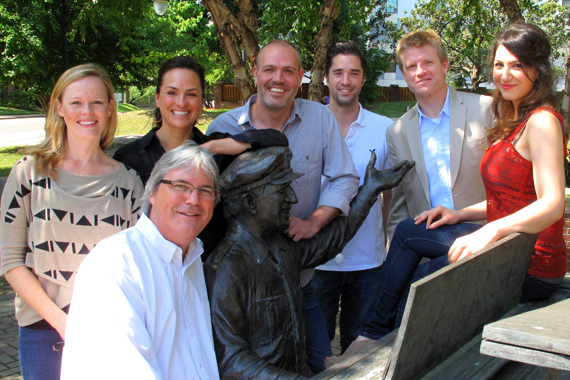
525 355
468 363
545 329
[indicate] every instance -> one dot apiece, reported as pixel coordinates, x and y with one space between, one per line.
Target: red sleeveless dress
509 185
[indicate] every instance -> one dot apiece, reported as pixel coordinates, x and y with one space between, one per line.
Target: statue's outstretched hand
387 178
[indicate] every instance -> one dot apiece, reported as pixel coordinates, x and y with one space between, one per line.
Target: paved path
9 364
22 131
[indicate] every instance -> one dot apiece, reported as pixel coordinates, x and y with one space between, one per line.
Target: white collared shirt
435 135
367 249
139 312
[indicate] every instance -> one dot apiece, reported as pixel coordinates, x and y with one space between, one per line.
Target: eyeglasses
184 188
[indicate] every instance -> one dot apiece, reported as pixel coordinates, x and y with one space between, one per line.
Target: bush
25 100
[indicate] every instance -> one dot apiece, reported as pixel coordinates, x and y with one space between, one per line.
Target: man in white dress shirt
351 277
140 308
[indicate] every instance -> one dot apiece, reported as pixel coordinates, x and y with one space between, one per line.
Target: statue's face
274 207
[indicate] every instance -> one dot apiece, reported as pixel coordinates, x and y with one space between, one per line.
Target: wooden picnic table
540 337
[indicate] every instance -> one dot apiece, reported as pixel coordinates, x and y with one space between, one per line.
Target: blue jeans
318 344
409 245
38 359
355 290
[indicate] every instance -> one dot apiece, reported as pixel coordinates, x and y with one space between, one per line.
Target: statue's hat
254 169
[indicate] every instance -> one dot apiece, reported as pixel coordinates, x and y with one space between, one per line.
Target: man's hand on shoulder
301 229
306 229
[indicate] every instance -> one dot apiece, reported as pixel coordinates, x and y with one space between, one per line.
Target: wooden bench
540 337
444 312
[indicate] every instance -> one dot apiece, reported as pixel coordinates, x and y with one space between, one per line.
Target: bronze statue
253 274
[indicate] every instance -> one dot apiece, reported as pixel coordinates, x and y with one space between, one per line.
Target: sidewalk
9 364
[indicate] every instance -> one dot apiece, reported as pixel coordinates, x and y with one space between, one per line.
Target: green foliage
20 99
125 37
298 21
142 95
469 27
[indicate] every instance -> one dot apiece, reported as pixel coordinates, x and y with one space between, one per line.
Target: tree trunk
475 80
329 12
566 98
513 11
235 33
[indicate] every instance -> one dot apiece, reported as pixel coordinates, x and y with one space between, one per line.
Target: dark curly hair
530 45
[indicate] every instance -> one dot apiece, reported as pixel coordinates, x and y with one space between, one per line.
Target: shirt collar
149 138
166 250
444 110
360 118
244 117
255 247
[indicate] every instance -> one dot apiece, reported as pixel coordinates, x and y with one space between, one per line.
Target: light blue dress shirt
435 134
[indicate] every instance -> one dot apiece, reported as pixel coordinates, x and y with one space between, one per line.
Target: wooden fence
230 97
395 93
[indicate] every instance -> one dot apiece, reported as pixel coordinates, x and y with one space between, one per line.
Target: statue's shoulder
219 253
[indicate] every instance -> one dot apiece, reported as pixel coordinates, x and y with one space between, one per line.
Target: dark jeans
318 344
355 290
535 289
38 360
409 245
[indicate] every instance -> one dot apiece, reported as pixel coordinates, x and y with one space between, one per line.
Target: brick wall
567 235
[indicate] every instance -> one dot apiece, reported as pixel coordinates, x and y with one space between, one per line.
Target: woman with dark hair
180 88
523 174
58 203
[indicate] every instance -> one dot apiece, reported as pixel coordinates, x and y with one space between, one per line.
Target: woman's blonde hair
49 153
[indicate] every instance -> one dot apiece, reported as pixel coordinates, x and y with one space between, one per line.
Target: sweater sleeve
15 214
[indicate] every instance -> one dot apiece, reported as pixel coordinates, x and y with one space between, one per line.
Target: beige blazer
470 114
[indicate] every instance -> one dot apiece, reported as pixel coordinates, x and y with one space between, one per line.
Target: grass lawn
14 111
125 107
8 157
391 109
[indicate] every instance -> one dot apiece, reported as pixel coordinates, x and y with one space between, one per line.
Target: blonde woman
58 203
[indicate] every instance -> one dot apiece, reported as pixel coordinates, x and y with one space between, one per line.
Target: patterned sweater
50 228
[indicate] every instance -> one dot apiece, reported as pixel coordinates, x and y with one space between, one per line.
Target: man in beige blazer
445 135
423 61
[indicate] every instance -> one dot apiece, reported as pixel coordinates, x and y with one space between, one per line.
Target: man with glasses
140 308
